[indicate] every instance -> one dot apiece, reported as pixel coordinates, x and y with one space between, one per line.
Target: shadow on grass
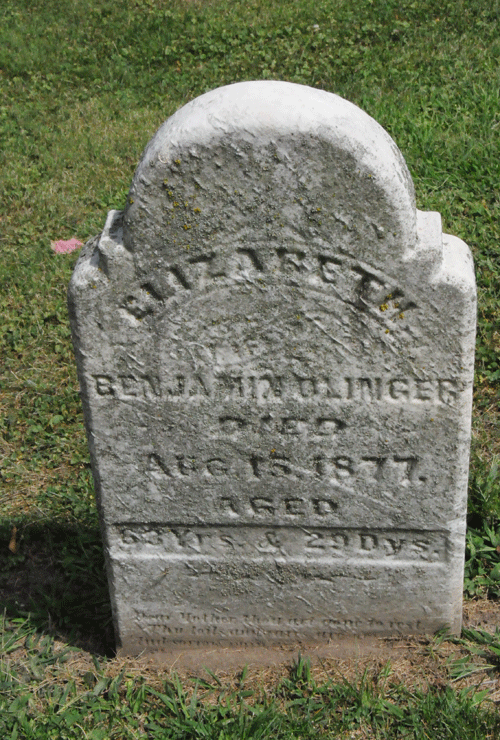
57 576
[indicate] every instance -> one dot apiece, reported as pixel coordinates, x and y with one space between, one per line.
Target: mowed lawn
83 86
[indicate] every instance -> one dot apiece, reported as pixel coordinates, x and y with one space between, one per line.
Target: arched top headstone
275 351
267 163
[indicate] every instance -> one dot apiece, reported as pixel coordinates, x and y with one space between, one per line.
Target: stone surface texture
275 352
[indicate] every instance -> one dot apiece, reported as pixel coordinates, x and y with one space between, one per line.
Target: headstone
275 352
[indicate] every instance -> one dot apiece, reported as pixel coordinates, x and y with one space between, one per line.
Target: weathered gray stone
275 351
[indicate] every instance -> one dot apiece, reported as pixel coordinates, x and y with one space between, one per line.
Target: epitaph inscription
275 351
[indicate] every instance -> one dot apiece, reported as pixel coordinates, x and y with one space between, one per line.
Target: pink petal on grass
62 247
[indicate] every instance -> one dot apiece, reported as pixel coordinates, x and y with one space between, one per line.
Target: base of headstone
217 659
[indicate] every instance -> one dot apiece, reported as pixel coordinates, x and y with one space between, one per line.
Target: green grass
38 700
83 86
